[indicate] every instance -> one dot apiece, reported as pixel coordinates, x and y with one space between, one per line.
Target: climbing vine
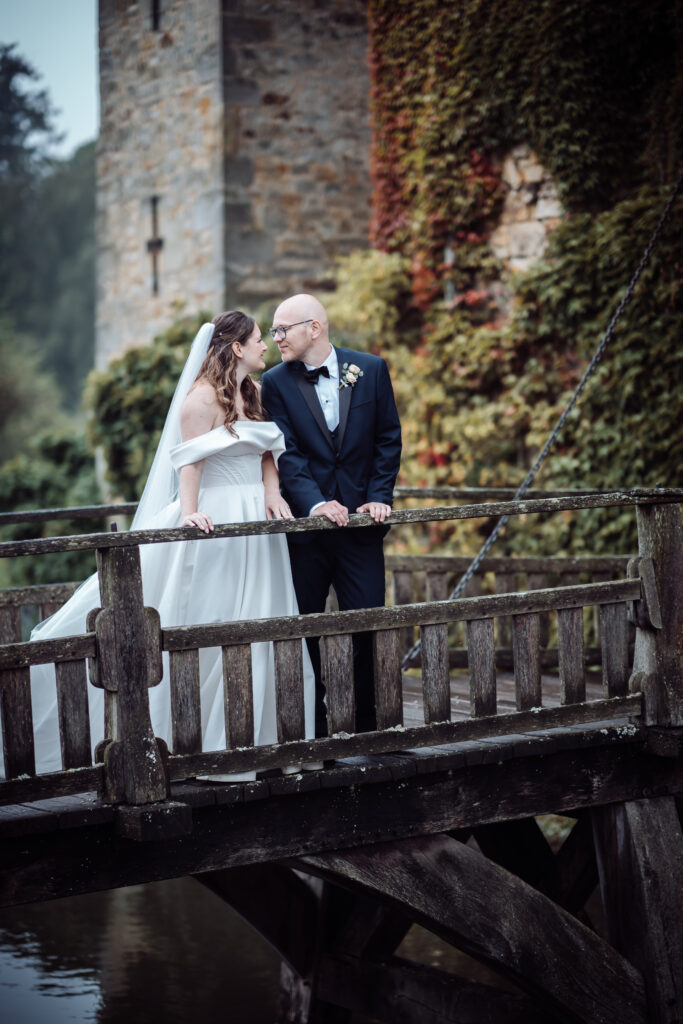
484 359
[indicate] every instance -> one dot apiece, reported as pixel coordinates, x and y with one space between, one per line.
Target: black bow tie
318 371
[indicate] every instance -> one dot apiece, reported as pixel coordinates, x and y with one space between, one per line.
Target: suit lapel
344 399
310 397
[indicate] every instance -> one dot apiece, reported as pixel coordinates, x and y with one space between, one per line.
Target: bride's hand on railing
198 519
277 507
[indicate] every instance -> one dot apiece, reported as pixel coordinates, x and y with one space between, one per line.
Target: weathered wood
411 993
238 695
54 784
126 660
186 716
487 912
640 858
435 679
614 642
44 652
78 512
519 847
570 644
575 873
36 595
276 902
370 930
15 704
402 585
526 634
658 653
337 675
133 538
569 579
482 665
598 577
458 564
289 690
388 679
48 608
275 756
505 583
437 586
538 580
393 617
350 815
73 713
165 820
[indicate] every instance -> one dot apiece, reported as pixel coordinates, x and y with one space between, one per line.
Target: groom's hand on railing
376 509
333 511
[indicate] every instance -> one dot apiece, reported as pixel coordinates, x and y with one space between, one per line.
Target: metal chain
549 444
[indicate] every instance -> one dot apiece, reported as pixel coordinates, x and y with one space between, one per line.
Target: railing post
128 662
657 658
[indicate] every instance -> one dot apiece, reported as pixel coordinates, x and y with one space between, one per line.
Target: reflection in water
171 951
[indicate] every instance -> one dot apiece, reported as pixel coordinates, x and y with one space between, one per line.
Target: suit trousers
352 561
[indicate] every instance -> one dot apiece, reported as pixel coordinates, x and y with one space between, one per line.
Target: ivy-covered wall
484 359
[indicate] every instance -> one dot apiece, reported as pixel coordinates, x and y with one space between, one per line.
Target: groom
336 409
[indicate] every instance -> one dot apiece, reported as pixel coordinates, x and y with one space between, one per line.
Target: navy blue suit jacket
362 463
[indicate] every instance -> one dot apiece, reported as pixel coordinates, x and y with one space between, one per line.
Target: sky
59 38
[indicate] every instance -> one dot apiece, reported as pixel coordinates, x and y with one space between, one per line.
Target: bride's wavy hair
220 367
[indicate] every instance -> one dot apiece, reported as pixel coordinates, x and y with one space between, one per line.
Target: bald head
307 329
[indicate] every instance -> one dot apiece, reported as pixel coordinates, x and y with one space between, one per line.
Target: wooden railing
124 643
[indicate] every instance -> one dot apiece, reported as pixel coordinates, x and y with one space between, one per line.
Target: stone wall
530 212
297 143
249 122
161 135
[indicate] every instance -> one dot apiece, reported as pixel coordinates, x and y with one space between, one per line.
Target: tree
47 234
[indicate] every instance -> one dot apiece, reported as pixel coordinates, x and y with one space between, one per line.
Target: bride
216 463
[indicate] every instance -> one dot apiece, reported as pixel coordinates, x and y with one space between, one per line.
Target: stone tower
233 155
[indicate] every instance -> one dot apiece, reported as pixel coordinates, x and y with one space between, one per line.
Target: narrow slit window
155 12
155 243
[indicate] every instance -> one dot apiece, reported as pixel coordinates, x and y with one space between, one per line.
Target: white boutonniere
350 374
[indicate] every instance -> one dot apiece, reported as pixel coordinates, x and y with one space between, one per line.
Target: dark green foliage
47 233
55 470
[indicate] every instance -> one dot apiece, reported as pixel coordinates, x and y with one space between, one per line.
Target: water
171 952
165 952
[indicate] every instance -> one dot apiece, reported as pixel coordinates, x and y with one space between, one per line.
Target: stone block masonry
233 160
296 94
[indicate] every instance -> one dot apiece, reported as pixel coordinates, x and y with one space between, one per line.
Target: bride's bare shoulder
199 411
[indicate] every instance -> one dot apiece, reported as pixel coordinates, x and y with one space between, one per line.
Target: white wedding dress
196 582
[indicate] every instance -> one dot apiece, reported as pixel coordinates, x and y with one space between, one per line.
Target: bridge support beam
639 846
484 910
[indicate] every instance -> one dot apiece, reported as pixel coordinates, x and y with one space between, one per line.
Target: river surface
165 952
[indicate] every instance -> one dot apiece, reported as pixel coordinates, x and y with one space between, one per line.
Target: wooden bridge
571 703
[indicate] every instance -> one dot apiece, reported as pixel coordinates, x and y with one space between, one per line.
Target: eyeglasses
281 332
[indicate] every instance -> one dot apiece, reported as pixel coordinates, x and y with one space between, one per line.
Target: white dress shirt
327 390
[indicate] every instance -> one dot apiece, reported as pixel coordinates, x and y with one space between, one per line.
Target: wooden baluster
436 686
403 594
526 632
128 661
48 608
289 690
437 588
598 577
337 676
388 679
73 714
571 655
569 579
15 703
186 717
505 583
481 654
539 581
614 642
657 660
458 630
